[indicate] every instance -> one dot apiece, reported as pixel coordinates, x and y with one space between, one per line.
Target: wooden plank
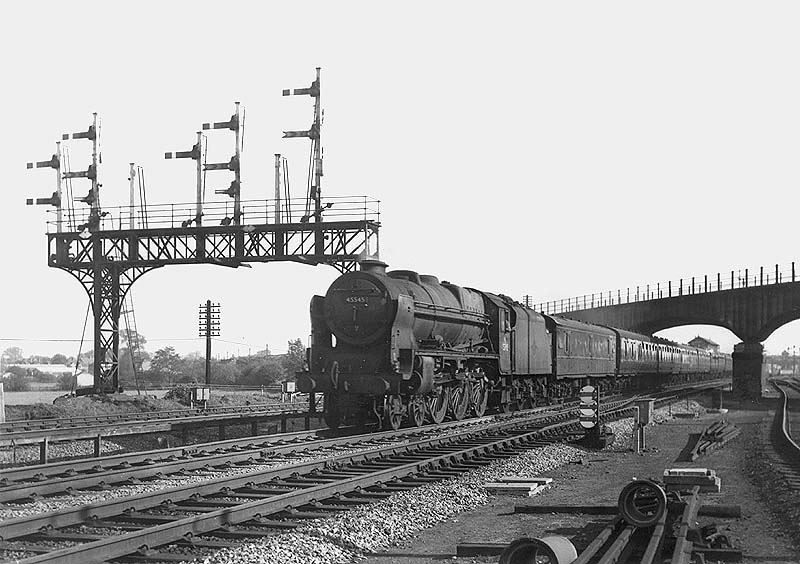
480 549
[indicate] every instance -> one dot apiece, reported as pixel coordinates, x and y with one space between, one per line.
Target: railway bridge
751 304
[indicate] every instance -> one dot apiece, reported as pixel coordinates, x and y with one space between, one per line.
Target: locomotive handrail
433 309
671 289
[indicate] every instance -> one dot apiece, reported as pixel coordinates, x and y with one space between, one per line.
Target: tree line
163 368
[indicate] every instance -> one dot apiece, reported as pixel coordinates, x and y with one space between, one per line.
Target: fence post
761 278
705 282
648 291
669 289
658 289
680 288
776 274
637 293
746 277
732 280
719 287
628 299
792 271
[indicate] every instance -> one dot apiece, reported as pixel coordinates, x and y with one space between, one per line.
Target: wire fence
736 279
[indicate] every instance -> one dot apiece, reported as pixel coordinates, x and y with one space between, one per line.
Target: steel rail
656 540
40 472
213 455
60 477
683 545
408 453
19 527
12 480
616 549
790 448
127 543
513 433
599 541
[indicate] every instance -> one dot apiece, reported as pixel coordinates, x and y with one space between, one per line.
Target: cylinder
642 503
558 550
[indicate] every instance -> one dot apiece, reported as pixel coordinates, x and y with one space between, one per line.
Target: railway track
787 417
32 483
255 504
252 488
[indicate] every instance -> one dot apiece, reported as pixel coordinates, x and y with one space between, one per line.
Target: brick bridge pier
750 306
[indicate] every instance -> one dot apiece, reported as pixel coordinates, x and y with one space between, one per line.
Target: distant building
705 344
85 380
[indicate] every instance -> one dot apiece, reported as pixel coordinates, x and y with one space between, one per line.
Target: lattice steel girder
106 287
334 243
107 263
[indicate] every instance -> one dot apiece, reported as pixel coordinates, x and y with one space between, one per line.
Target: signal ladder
132 336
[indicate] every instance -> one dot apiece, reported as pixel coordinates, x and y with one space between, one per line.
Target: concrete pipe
546 550
642 503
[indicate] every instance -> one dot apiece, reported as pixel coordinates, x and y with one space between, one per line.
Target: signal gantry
108 249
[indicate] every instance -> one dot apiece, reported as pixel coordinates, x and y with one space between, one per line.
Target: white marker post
590 411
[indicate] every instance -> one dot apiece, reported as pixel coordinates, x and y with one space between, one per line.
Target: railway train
403 347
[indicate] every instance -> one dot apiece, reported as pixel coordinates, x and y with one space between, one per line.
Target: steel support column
106 286
106 301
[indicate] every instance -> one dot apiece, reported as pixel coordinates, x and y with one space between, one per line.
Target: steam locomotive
401 346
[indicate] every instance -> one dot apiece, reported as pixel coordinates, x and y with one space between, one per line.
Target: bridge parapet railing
742 278
254 212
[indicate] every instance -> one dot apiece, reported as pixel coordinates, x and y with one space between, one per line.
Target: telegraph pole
209 327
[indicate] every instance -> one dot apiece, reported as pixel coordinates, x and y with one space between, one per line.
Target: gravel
623 428
86 497
343 537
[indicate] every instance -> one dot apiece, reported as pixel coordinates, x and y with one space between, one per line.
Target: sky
549 149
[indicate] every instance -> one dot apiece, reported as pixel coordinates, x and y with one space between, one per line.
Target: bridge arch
775 323
680 322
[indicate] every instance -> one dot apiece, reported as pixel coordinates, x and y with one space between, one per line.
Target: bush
66 382
17 383
181 394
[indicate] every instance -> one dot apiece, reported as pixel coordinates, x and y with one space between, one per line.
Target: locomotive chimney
373 266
